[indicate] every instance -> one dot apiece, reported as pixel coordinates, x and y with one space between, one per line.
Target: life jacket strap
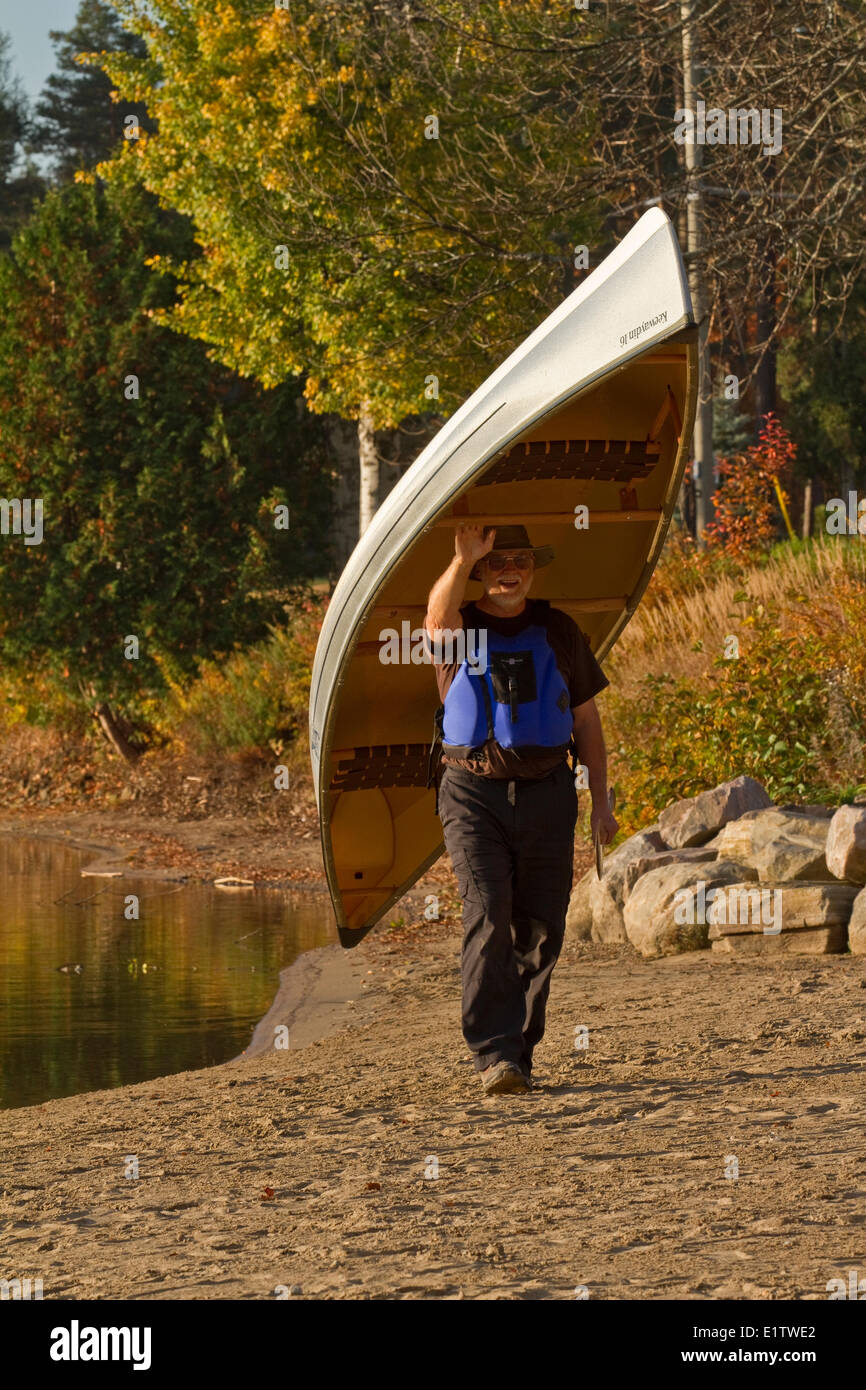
434 757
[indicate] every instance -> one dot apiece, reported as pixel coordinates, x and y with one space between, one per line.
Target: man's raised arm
471 543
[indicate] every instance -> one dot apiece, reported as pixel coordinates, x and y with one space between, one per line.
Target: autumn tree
388 194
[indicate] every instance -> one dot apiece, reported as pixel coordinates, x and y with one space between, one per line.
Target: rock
746 837
696 820
857 926
656 914
748 909
846 844
817 941
700 854
578 919
606 893
790 857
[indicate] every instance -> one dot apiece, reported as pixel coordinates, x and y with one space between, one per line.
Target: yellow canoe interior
616 450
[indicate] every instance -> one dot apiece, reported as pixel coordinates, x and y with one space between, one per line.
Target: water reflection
91 998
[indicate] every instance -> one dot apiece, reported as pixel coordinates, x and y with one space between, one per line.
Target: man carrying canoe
507 797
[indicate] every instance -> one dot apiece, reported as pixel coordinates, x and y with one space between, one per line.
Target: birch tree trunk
702 448
368 458
765 376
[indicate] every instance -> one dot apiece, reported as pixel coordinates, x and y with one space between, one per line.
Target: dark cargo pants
512 849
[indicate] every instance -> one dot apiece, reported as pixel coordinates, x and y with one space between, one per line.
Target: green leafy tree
158 472
387 194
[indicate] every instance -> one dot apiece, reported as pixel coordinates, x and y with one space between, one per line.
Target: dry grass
683 636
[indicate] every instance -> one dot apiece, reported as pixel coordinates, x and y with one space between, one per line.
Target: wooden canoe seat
384 765
586 460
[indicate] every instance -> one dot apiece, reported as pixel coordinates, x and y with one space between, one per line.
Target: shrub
790 709
254 697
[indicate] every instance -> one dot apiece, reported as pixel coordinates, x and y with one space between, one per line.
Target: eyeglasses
523 561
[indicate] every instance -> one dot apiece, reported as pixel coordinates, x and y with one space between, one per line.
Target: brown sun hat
516 538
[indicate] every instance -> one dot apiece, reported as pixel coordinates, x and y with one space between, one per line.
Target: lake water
182 987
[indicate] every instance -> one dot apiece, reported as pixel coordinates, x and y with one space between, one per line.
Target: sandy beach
706 1144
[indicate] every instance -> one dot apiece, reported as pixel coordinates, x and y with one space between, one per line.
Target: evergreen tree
158 471
822 374
19 186
77 121
732 430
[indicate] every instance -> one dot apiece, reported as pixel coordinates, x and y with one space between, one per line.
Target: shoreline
104 833
367 1164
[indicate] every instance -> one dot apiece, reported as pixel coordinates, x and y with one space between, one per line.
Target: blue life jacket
521 699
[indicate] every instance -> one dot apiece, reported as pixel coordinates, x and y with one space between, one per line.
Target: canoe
582 436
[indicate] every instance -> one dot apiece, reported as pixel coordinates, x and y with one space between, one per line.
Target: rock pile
731 871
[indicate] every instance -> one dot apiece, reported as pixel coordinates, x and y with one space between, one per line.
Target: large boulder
806 919
749 909
790 857
857 925
699 854
606 893
754 832
814 941
698 819
578 919
846 844
666 910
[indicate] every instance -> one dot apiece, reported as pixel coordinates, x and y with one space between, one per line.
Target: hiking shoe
503 1078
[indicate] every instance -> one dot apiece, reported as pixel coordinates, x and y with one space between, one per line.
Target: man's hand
603 823
472 543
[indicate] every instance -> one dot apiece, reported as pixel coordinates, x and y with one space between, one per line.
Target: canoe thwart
635 513
584 460
368 892
383 765
609 603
